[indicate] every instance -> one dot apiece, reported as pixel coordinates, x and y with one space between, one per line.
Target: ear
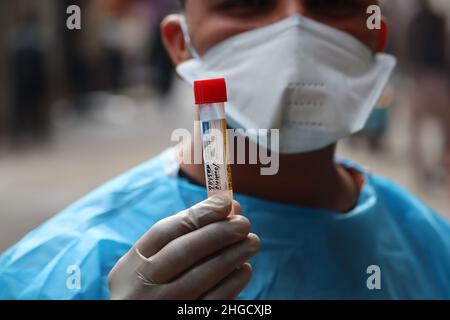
383 36
173 39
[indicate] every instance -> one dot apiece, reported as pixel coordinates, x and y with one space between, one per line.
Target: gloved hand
199 253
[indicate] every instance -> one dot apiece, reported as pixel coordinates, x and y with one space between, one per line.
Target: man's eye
333 7
246 6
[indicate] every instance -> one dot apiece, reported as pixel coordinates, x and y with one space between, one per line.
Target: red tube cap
210 91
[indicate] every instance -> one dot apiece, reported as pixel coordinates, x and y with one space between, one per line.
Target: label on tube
217 168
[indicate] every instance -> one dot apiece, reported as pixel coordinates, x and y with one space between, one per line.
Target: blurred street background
80 107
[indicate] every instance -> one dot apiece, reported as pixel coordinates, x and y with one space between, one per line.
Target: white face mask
314 83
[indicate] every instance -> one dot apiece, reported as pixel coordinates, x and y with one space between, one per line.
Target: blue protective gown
305 253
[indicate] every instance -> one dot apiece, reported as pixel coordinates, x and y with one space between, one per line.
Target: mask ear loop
187 38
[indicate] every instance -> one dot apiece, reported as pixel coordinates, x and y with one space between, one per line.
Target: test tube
210 97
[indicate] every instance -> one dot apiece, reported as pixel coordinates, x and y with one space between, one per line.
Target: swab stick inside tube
210 97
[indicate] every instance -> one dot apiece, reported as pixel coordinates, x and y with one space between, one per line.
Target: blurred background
78 107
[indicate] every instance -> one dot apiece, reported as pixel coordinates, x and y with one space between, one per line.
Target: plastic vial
210 97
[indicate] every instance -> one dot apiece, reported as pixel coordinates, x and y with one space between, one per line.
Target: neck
311 180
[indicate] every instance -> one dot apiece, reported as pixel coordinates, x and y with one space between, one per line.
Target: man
326 229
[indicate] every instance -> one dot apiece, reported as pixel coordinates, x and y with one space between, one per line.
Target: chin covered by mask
314 83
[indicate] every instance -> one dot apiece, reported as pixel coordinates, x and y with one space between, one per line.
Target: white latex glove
199 253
